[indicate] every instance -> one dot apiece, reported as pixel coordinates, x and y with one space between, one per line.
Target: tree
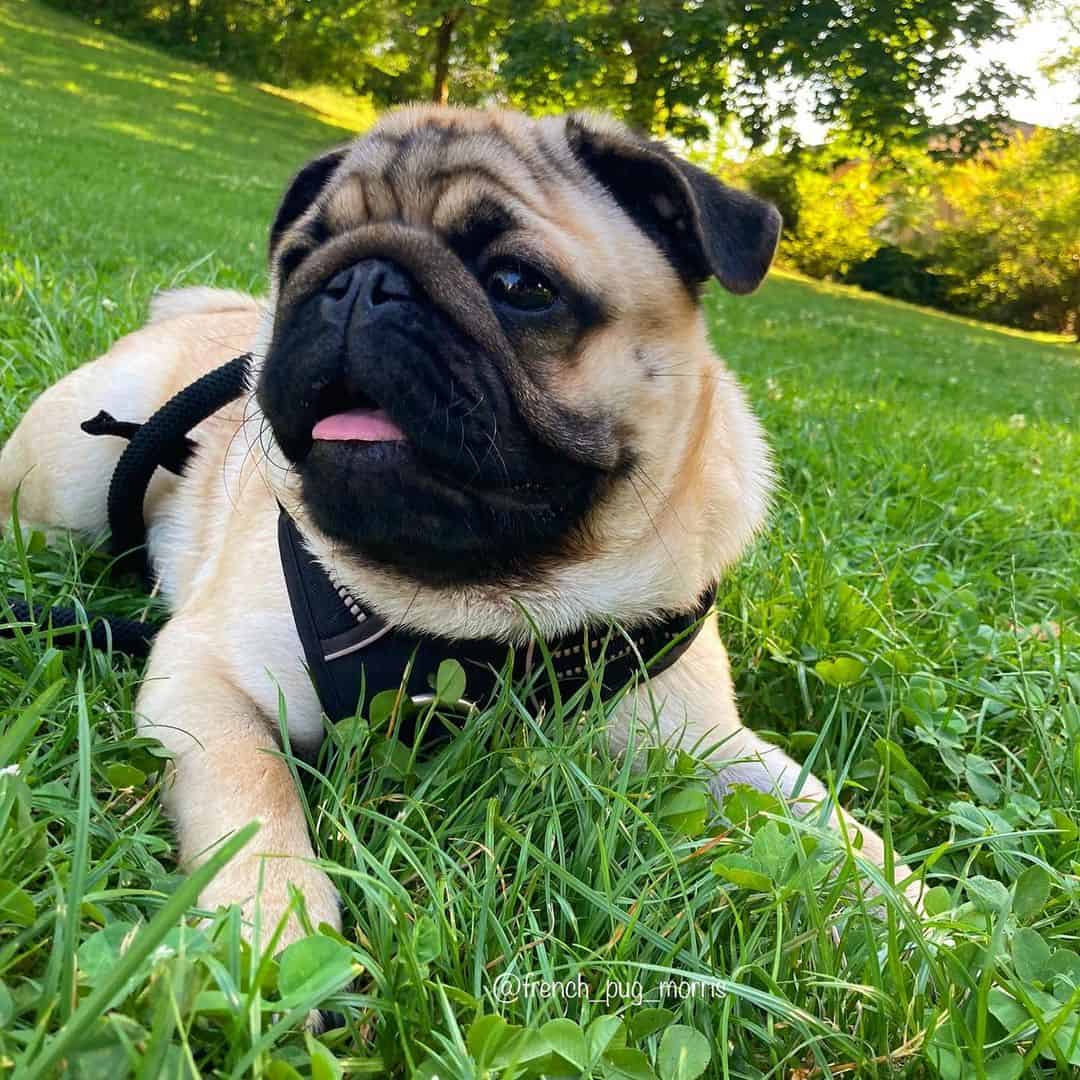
660 65
433 50
664 64
870 66
283 41
670 67
1063 64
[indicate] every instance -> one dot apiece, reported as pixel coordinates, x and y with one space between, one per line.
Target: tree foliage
838 212
869 65
670 67
283 41
1063 62
432 50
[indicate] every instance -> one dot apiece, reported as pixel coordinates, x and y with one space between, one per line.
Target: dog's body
665 470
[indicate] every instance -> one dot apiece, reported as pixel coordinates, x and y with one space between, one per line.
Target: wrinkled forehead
420 168
472 177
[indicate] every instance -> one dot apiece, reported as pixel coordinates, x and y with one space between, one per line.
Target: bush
837 214
894 272
774 178
996 237
1011 240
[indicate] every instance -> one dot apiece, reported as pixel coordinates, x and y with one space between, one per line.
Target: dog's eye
521 287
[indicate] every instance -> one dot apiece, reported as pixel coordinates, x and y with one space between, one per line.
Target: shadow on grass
120 86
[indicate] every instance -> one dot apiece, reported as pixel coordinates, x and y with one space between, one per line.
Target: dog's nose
368 284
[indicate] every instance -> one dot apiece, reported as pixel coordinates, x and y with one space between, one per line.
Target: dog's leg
745 758
695 709
61 472
226 772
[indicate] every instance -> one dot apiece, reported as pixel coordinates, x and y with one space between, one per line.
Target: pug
483 395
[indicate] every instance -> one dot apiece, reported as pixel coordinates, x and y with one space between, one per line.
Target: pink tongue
358 425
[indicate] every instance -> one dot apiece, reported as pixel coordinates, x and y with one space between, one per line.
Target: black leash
161 440
130 637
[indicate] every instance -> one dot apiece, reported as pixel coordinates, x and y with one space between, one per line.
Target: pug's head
487 362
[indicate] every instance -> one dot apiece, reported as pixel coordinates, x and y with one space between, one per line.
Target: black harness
349 647
352 653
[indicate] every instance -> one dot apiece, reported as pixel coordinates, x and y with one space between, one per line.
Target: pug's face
486 334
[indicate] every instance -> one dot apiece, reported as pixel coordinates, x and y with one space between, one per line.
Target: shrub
1011 239
837 214
894 272
774 178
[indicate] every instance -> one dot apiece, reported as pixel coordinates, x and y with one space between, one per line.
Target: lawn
908 624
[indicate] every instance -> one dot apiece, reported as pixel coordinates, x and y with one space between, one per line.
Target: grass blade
143 945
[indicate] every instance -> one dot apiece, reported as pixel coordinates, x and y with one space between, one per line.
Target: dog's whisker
702 377
640 471
468 449
241 429
411 604
655 528
493 446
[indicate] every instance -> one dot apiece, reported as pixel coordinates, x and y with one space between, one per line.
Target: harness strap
353 654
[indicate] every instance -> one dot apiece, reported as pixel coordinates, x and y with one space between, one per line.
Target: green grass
926 533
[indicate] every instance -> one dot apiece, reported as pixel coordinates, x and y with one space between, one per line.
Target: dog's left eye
521 287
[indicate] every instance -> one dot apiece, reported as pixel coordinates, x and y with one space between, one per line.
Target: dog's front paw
262 887
277 899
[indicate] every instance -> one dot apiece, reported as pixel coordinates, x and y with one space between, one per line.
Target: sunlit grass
925 534
833 288
328 104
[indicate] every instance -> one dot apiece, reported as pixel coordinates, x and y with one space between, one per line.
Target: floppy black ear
704 227
303 190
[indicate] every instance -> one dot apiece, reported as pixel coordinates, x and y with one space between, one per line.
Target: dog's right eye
521 287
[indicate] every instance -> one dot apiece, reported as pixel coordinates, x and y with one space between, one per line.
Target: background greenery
878 205
667 66
995 235
907 625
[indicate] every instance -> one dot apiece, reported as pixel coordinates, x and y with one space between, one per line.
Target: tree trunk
444 38
191 21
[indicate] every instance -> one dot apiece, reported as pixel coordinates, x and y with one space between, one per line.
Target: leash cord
126 636
164 438
161 440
